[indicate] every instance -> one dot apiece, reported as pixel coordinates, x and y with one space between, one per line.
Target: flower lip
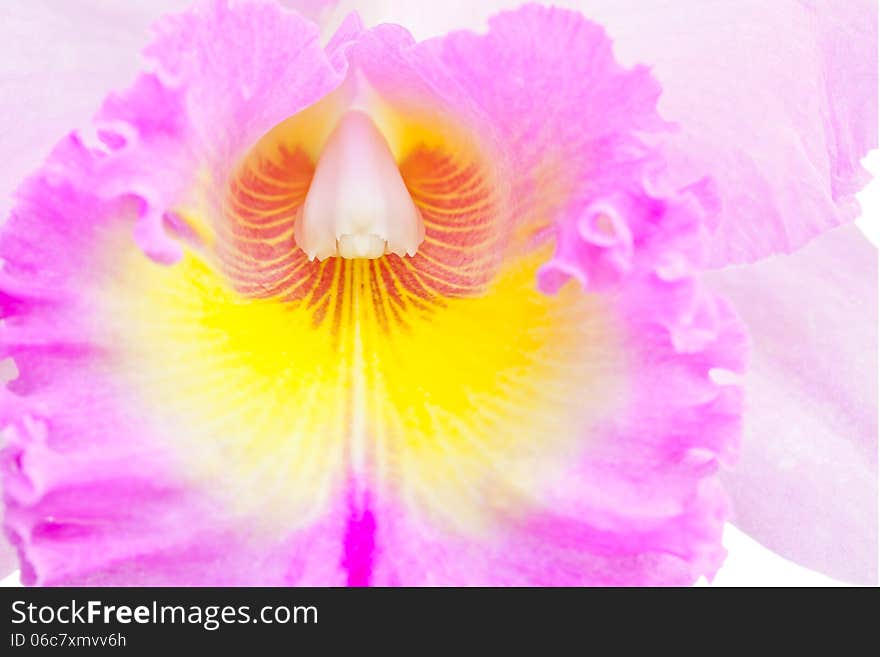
358 205
436 418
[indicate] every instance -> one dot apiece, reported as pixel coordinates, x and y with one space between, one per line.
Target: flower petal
434 419
806 483
777 102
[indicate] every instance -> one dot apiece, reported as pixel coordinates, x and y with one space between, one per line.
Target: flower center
357 205
411 198
363 308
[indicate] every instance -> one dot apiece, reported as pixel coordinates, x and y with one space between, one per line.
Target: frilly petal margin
806 484
90 497
94 497
77 51
174 114
776 101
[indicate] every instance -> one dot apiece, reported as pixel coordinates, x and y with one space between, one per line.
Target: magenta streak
359 546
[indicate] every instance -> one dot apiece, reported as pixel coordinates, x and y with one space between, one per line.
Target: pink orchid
314 301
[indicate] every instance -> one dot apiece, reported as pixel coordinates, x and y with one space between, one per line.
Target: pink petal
806 482
776 101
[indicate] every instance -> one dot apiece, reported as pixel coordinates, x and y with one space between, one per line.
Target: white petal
806 482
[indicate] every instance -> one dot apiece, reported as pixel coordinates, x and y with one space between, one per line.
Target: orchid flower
412 295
